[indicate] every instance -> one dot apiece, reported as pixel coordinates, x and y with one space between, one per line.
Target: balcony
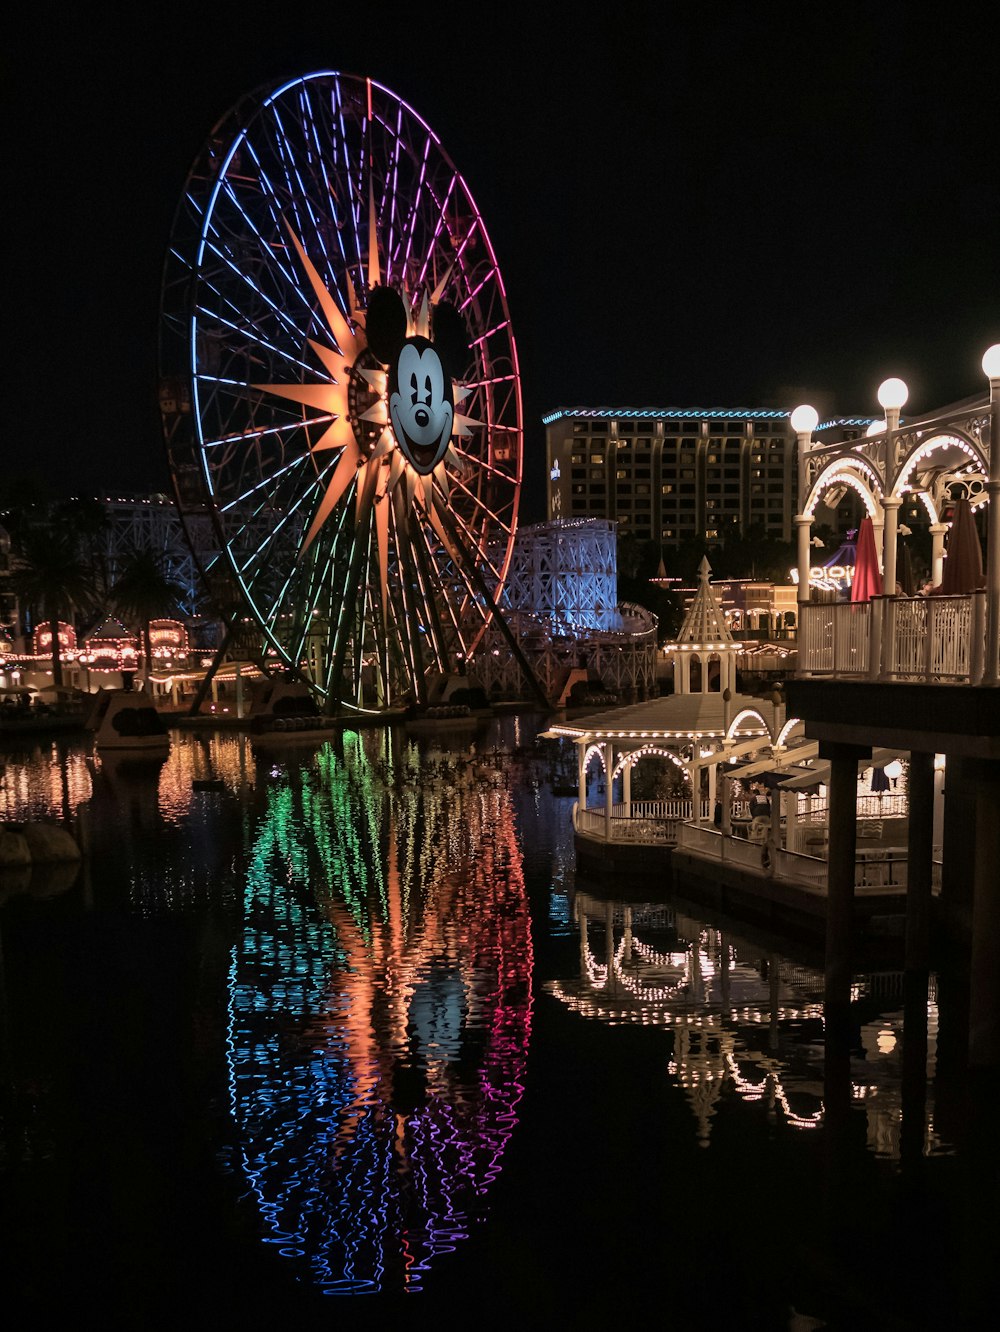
931 640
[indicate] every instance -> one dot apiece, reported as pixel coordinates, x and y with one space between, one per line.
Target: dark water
333 1036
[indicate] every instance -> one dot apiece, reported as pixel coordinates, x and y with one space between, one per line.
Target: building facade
668 474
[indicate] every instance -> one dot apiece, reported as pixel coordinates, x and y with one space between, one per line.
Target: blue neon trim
665 413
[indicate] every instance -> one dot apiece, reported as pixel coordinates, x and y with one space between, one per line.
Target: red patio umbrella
963 565
867 581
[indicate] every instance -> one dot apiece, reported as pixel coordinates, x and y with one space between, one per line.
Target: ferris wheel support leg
480 582
203 688
348 609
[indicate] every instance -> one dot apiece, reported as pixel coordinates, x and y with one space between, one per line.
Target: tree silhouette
51 578
144 592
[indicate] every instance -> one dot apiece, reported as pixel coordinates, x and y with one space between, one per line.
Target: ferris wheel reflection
380 1009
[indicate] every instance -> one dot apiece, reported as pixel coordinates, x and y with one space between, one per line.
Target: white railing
931 639
882 868
644 822
834 638
934 638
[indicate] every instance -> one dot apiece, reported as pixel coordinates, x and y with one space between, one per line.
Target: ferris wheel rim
235 128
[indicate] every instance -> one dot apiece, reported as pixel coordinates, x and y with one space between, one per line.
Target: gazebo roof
705 624
676 716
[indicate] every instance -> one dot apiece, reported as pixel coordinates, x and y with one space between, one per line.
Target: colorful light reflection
380 1010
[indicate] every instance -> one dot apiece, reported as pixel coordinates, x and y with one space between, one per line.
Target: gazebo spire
705 624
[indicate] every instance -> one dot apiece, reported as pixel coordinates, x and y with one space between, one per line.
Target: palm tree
50 576
143 591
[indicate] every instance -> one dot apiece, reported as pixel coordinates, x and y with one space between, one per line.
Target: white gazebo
704 722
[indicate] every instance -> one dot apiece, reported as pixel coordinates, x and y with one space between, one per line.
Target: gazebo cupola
705 637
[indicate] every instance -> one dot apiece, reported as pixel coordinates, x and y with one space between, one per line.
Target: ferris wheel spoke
439 224
411 222
344 171
242 316
218 320
392 184
269 251
431 578
329 193
410 620
266 484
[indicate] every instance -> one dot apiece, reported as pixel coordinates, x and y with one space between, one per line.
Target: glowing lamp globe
892 394
805 419
876 428
991 361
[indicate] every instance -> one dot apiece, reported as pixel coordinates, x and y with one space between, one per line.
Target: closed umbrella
963 565
867 582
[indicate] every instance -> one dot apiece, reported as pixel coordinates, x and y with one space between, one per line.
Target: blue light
669 413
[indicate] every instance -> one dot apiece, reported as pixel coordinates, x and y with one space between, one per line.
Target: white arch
741 717
786 730
928 446
842 472
592 750
630 759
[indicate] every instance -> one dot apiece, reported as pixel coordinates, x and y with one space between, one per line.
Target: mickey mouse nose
422 417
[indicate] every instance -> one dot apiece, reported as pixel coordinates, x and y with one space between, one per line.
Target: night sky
745 207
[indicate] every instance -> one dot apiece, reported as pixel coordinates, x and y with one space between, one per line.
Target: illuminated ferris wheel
340 389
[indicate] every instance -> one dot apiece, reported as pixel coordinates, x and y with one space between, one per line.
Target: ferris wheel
340 390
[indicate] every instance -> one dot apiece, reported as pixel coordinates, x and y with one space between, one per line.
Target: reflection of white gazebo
936 460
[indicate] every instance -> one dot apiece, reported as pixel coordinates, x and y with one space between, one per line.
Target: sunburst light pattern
362 566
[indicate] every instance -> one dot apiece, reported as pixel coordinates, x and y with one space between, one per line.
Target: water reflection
380 1007
749 1025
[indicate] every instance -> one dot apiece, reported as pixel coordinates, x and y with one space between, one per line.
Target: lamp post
892 394
991 369
804 421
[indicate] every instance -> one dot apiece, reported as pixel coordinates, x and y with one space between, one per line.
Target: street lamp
991 673
892 394
804 421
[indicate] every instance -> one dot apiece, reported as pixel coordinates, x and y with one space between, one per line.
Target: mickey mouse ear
450 335
385 323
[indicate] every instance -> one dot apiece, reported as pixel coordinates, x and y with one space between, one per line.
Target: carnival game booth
41 641
169 644
109 646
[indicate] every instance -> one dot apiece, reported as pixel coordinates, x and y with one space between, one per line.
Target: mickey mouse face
420 404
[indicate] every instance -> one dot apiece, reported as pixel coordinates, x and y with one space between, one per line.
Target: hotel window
621 474
666 490
597 459
577 458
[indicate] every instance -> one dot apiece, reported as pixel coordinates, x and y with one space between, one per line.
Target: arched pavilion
702 724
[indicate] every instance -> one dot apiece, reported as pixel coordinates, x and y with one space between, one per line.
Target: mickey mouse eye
413 386
427 387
